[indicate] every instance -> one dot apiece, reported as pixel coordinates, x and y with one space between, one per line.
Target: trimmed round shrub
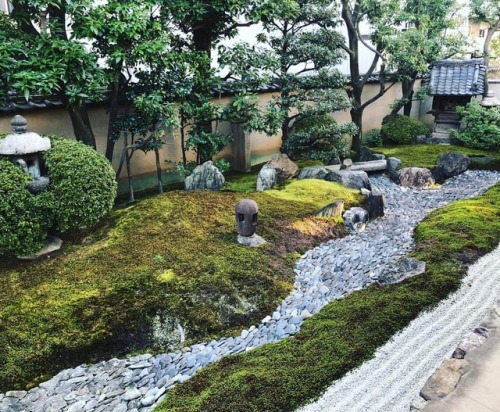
24 218
403 130
82 182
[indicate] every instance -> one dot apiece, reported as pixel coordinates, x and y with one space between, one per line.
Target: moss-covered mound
426 155
284 375
165 260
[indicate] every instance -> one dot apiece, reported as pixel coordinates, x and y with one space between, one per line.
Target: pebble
330 271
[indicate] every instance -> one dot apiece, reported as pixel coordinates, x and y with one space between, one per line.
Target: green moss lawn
426 155
173 255
284 375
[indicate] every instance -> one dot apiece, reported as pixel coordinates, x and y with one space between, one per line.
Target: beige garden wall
262 147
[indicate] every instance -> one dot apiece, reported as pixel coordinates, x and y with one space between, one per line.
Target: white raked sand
393 378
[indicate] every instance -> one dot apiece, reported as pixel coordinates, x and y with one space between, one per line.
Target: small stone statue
246 217
247 212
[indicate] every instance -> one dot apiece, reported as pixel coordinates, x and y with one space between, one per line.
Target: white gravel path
390 381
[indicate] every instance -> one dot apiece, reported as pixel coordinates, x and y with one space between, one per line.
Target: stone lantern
25 150
247 212
490 100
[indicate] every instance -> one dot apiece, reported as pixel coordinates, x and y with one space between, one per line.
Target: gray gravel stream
328 272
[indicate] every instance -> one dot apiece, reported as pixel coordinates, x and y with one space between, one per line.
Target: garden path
328 272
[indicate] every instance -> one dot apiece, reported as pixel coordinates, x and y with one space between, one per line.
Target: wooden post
240 148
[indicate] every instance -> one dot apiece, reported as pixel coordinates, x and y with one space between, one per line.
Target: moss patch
426 155
284 375
173 255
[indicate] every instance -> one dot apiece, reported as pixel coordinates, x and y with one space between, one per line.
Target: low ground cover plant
284 375
426 155
170 258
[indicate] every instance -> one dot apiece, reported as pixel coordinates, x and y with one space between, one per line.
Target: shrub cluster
82 190
318 138
373 138
480 127
403 130
23 224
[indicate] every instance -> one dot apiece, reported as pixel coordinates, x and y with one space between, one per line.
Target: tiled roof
17 103
457 77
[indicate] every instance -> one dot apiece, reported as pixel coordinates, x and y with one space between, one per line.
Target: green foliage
47 62
299 52
318 138
24 218
347 331
82 183
479 127
373 138
403 130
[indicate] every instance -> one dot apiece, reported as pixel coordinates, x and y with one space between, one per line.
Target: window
482 33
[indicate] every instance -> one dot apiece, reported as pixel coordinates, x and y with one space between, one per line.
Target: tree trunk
81 124
357 119
407 91
202 41
158 171
113 116
356 89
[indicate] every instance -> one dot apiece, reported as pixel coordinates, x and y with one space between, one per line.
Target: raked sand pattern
328 272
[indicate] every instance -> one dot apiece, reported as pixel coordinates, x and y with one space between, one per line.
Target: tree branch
378 95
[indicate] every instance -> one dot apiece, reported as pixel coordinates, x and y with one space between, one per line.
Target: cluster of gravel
328 272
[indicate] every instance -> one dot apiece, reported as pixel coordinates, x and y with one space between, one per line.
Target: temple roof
457 77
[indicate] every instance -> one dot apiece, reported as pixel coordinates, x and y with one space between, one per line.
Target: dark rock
313 172
205 177
375 203
458 354
332 210
266 179
449 165
377 156
393 167
364 154
416 177
355 219
421 139
335 160
353 179
285 168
